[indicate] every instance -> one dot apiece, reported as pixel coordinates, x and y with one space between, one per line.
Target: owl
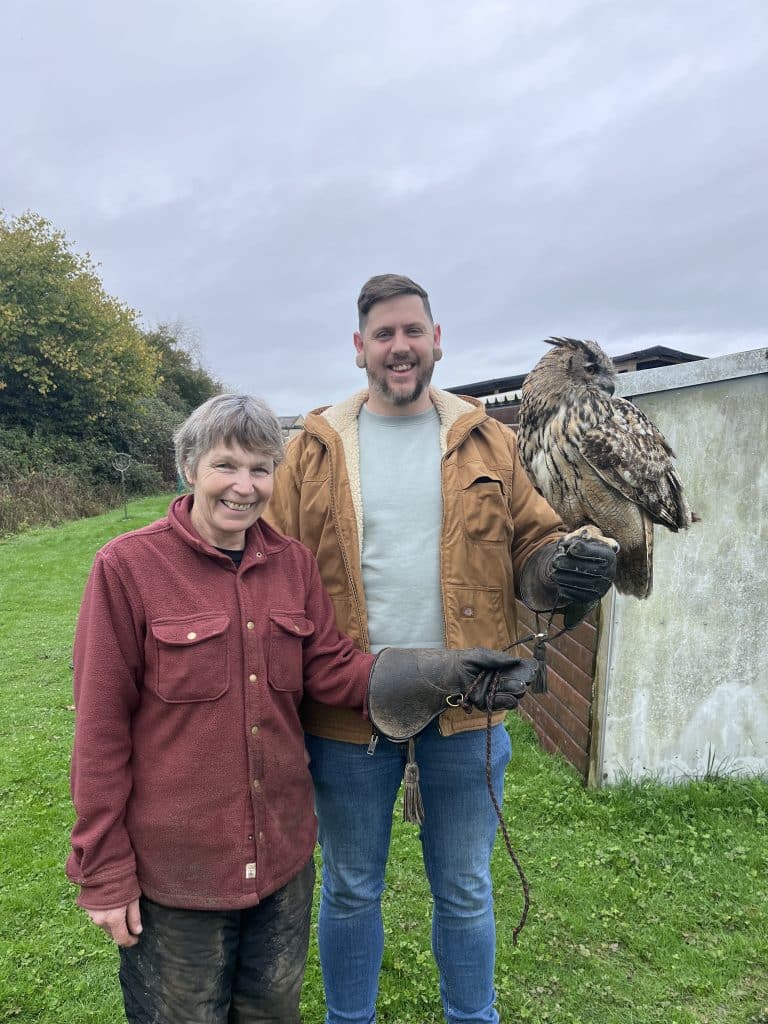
598 460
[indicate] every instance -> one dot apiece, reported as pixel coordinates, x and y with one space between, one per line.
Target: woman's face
231 487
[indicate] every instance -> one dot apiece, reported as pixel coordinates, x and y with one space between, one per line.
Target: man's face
398 343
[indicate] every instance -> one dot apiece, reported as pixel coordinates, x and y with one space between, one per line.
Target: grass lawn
649 904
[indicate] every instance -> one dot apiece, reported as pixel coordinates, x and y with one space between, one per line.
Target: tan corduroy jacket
493 520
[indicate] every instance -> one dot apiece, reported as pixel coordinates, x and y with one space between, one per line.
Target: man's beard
397 396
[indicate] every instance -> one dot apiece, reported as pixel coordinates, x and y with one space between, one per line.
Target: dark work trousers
220 967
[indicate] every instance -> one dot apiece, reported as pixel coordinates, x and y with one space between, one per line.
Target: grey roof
502 385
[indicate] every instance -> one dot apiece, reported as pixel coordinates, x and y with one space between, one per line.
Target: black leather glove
570 575
408 687
582 567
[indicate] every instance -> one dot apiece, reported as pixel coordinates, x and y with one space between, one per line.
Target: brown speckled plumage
599 459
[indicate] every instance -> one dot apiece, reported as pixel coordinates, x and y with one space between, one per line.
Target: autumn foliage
80 379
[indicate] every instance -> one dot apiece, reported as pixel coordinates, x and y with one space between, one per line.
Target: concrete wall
681 684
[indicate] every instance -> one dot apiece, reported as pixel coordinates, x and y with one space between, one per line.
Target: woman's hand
122 924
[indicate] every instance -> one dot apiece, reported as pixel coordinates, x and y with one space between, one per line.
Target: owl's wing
632 455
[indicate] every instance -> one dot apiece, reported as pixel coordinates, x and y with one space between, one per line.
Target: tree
184 383
71 356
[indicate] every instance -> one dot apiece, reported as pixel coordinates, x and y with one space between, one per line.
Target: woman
197 637
196 640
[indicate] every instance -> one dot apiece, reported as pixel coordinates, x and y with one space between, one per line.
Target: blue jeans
355 794
220 966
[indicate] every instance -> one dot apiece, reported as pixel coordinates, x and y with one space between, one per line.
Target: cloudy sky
597 168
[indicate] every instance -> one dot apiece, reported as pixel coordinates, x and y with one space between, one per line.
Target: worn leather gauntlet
408 687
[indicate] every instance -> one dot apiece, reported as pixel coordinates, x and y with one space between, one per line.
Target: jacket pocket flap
191 630
295 623
470 474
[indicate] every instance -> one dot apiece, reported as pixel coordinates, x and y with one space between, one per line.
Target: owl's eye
590 368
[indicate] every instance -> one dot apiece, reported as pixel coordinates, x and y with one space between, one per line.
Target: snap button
250 625
192 636
253 678
468 612
259 554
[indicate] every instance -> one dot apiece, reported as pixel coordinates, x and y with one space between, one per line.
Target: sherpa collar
342 421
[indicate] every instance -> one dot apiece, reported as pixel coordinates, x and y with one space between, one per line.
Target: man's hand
122 924
469 674
583 565
409 687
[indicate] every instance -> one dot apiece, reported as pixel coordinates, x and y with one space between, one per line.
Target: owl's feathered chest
555 428
550 436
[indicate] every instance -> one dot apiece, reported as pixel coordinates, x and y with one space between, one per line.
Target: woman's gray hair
225 419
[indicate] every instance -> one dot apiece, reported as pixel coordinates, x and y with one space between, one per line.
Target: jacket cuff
110 889
107 896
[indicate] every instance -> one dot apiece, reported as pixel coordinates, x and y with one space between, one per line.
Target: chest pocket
191 658
287 633
483 505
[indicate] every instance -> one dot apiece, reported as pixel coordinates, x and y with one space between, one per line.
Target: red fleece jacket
189 773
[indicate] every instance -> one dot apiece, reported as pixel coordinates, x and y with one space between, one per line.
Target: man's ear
357 338
437 351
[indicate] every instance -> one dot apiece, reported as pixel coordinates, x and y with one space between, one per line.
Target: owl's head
583 362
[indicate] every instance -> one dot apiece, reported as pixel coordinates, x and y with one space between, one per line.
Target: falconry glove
408 687
582 567
571 574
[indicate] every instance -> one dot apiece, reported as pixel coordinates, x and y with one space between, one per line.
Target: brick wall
562 717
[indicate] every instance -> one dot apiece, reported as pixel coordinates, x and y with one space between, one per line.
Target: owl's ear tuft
560 341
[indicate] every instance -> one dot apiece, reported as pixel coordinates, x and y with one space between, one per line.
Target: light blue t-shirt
402 519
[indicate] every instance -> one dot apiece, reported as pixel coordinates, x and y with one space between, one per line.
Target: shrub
20 454
51 497
142 479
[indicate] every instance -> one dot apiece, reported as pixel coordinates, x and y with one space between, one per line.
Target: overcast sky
597 168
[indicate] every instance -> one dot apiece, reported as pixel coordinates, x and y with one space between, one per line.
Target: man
425 527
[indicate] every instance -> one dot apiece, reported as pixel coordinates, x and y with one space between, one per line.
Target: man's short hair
388 286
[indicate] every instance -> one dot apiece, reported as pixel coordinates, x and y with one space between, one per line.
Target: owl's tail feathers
634 570
682 516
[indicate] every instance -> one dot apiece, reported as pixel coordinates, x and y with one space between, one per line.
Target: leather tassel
539 684
413 808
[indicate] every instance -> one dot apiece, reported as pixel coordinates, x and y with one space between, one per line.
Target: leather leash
538 686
